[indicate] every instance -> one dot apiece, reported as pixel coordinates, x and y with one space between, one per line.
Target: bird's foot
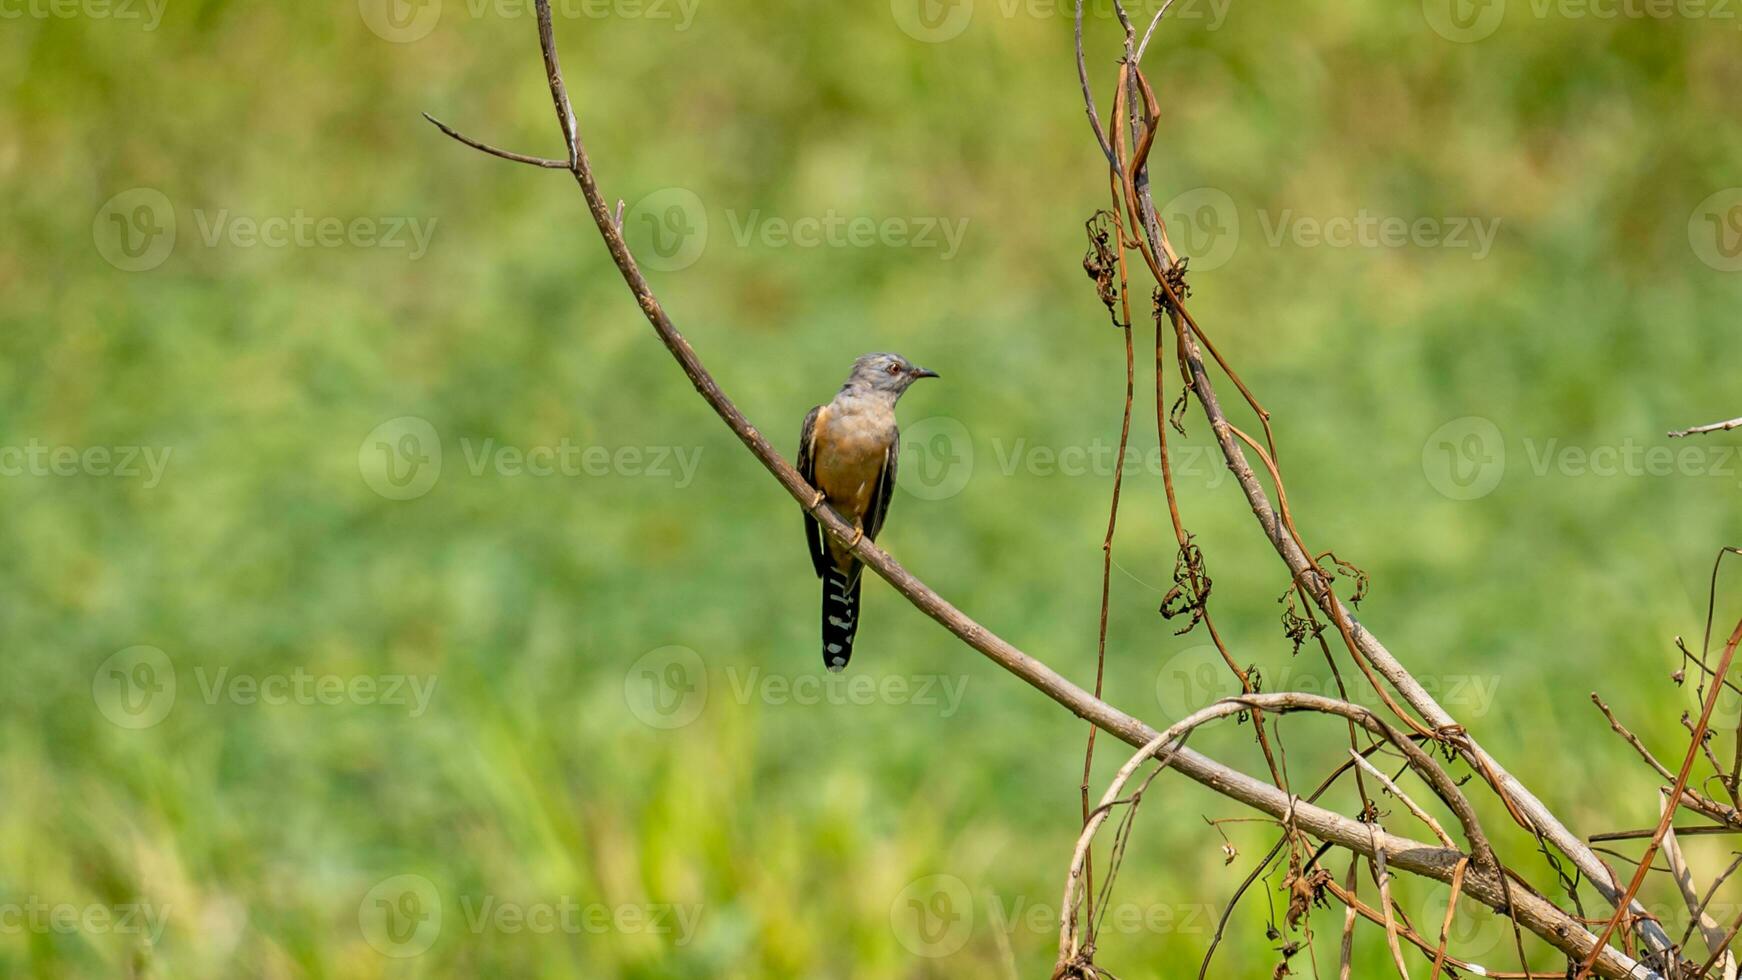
817 500
858 536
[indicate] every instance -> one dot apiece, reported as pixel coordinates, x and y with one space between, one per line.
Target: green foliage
541 607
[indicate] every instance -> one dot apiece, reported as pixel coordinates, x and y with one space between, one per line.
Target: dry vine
1131 224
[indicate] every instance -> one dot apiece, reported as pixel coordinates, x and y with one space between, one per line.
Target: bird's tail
840 616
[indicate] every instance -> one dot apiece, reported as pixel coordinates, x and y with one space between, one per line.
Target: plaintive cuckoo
849 452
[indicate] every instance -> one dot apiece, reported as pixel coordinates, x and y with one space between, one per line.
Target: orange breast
849 459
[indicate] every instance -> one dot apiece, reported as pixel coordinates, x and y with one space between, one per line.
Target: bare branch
1391 787
1710 427
1150 31
1710 931
1383 874
494 151
1345 953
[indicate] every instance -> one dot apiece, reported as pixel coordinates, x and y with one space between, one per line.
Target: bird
848 452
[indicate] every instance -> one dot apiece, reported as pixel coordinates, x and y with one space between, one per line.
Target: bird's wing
879 508
807 468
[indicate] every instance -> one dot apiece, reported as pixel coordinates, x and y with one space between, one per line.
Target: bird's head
889 374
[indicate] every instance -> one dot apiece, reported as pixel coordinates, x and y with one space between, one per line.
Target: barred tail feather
840 616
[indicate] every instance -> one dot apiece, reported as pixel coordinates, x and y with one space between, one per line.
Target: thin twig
1391 787
1345 955
1384 877
1709 427
1684 880
544 162
1446 922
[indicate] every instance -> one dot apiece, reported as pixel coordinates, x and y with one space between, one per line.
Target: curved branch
1282 702
1445 865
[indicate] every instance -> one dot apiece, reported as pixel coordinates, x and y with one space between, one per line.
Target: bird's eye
894 369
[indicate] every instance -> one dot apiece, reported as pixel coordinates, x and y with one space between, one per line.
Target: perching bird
849 451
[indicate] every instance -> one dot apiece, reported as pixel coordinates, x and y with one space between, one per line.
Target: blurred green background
231 244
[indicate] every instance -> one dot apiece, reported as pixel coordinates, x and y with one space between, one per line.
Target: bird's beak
919 372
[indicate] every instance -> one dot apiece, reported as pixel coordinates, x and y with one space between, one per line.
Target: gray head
888 374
